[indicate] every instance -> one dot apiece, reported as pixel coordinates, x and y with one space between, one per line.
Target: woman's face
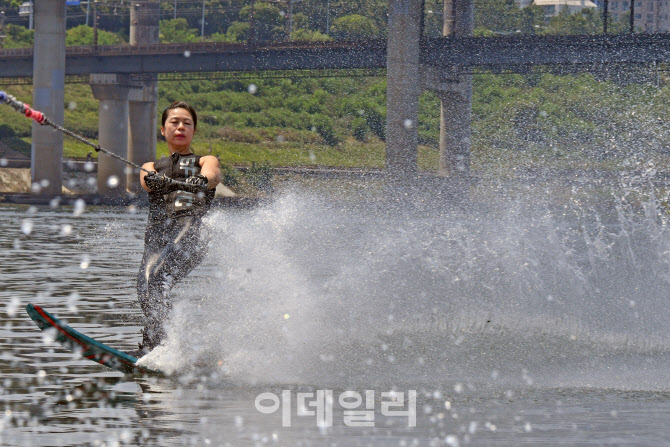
178 129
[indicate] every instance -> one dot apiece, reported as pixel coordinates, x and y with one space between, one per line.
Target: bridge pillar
48 95
455 96
112 90
141 135
403 89
144 28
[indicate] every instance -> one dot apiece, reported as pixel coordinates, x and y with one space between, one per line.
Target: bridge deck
509 52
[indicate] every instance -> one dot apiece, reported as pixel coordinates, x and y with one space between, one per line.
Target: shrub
323 125
228 133
359 129
6 131
354 27
376 119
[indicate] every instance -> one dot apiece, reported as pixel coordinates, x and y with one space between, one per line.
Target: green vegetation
233 20
177 31
536 119
83 35
18 37
528 120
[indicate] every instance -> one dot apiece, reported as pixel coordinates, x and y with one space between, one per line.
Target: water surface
519 321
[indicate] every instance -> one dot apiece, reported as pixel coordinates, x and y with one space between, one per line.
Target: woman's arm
149 166
210 168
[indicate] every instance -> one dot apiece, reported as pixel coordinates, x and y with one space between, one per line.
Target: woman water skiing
175 241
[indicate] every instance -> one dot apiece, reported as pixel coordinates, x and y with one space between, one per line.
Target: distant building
651 16
554 7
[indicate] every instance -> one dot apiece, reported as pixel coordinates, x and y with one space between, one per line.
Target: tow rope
42 119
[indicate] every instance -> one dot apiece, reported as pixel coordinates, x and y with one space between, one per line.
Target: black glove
199 183
157 182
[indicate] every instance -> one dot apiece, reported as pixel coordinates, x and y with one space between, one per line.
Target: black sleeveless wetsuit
174 243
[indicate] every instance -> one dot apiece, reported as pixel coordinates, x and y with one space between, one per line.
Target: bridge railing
197 47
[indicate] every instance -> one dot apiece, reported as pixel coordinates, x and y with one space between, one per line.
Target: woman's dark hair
180 105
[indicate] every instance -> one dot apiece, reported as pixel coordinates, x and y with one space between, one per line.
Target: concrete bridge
457 54
413 63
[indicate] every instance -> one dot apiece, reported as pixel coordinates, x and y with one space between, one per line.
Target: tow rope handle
23 108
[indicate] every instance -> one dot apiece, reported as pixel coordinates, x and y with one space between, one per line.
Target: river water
524 318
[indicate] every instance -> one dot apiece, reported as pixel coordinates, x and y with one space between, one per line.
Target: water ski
86 346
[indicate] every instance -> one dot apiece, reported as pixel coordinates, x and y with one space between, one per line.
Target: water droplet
72 105
89 166
66 230
27 226
72 301
3 162
452 441
187 53
13 306
408 124
79 207
252 88
239 421
112 181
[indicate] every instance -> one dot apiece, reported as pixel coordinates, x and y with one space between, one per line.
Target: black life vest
176 202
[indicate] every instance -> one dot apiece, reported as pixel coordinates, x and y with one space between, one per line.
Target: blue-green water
516 323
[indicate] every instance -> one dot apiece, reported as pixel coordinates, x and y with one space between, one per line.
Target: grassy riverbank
518 121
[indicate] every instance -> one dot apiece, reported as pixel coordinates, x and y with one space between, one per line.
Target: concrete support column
404 87
141 137
48 95
144 29
456 98
455 128
144 22
112 91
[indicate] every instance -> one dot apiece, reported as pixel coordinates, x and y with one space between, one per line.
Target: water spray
42 119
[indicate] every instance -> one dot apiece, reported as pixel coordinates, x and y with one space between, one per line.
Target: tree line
309 20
